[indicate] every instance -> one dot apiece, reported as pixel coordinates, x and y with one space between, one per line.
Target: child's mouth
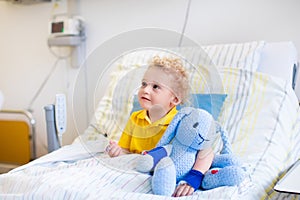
144 98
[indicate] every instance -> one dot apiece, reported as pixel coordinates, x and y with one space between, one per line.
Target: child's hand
183 190
190 182
113 149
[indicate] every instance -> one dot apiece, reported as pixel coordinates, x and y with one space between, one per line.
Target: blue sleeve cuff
193 178
157 153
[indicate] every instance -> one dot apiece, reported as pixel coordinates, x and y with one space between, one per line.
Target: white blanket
97 177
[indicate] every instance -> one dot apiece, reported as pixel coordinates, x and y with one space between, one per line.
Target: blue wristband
193 178
157 153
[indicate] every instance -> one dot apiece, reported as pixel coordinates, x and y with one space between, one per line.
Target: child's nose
147 89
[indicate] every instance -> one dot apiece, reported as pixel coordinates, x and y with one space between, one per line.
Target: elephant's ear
226 143
172 128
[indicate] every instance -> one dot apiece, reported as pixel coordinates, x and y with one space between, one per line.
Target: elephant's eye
195 125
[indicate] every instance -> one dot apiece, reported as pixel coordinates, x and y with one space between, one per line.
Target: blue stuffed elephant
190 131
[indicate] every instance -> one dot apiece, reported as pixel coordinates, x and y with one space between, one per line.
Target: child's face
156 92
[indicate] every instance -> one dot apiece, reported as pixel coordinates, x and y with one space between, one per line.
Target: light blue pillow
212 103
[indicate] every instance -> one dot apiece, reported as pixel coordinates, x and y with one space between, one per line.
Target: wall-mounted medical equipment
28 2
66 31
65 27
56 120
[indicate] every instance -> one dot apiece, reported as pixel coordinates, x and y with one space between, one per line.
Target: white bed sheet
97 177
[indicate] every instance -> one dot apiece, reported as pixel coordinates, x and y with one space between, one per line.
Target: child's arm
114 150
204 160
202 164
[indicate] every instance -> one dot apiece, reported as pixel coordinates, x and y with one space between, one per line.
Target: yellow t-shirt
140 134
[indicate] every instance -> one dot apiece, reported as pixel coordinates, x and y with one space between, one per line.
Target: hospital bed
261 114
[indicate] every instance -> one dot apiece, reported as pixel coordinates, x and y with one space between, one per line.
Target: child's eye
155 87
144 84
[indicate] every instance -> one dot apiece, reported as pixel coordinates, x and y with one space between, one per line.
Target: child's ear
176 101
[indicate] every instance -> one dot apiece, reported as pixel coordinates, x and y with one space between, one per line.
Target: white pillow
238 55
241 55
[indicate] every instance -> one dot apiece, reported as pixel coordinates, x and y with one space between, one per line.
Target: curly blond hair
173 66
